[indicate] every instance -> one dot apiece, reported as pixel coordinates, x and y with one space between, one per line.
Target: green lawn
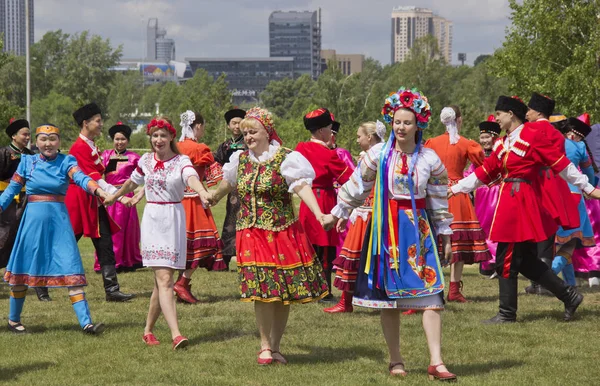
322 349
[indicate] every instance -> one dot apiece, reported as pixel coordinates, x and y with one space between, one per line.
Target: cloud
239 28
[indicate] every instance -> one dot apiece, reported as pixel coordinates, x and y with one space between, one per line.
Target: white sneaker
594 281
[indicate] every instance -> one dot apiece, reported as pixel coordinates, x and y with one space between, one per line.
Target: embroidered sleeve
437 197
354 192
214 174
80 178
296 170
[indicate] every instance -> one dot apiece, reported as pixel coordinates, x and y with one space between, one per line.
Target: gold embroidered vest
265 202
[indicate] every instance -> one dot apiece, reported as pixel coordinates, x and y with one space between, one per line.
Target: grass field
322 349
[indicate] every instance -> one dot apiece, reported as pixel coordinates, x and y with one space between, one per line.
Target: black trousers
104 244
546 250
515 258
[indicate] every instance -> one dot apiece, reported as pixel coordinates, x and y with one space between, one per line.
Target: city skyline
237 28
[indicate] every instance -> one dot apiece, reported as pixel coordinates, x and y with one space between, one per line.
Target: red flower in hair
119 123
424 116
12 120
407 98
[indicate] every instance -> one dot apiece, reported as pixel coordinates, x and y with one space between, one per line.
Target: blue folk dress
399 263
45 253
584 234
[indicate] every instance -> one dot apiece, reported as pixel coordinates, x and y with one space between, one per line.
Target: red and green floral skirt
278 266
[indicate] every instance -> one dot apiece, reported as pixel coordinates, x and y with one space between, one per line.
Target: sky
239 28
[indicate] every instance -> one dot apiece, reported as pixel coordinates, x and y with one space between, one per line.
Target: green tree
553 47
57 109
125 97
86 69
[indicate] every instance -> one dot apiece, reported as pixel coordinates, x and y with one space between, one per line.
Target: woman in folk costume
276 263
45 252
587 261
235 143
486 196
345 156
520 219
369 135
203 242
119 163
583 236
329 171
468 240
399 265
165 174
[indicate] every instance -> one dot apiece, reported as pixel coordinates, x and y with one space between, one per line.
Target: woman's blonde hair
152 130
371 129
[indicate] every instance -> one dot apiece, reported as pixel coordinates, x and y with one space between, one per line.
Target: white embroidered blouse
165 184
430 178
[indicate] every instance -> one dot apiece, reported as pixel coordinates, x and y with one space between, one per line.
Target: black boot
507 312
533 289
111 285
42 294
567 294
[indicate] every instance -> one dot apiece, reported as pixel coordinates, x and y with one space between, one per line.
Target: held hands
109 199
327 221
207 199
450 192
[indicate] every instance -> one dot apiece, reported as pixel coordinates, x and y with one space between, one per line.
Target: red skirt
203 242
278 266
348 261
468 240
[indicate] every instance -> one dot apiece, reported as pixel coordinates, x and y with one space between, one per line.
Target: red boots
183 290
454 295
344 305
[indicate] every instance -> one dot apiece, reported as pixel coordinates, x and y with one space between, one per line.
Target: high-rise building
412 23
159 47
12 25
298 35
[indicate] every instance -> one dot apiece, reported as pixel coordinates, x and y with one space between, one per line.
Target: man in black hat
10 157
555 191
231 145
88 216
329 169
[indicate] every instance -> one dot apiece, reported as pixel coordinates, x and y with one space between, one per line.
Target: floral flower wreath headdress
160 123
412 100
266 120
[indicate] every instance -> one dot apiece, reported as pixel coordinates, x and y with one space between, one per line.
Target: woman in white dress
165 174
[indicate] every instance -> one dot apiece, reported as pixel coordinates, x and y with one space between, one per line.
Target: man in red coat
329 168
88 216
556 195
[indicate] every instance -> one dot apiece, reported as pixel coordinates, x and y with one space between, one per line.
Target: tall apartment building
12 25
158 46
298 35
412 23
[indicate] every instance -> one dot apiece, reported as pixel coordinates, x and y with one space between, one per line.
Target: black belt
546 170
516 184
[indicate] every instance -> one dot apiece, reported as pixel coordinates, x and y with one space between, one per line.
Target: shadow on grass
557 315
40 329
220 335
321 354
483 299
483 367
10 373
